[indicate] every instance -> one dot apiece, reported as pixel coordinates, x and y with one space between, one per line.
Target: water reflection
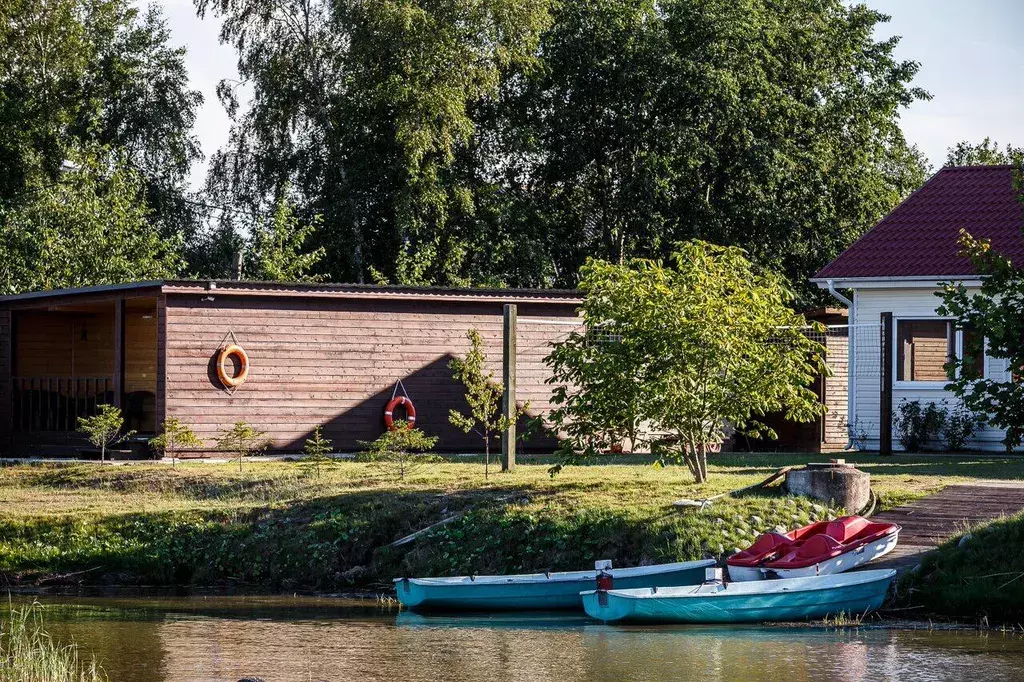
283 639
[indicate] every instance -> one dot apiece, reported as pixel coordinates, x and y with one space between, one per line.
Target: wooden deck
931 520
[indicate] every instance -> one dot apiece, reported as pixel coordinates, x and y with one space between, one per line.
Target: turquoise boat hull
785 600
546 591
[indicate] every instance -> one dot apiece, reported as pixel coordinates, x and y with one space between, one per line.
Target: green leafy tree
369 124
401 450
89 227
104 428
242 440
770 126
994 312
279 251
691 351
505 141
174 435
317 451
76 75
985 153
483 397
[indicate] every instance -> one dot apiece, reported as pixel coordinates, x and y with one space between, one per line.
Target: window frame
958 351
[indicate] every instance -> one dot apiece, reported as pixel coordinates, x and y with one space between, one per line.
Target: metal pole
508 398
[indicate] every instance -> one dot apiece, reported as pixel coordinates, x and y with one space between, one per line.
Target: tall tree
504 141
768 125
89 227
278 253
362 107
984 153
77 74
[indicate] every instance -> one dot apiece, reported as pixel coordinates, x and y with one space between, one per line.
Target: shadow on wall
434 393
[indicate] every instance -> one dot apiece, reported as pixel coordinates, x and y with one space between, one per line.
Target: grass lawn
273 526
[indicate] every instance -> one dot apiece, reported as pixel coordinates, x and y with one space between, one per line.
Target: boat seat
767 544
846 528
817 546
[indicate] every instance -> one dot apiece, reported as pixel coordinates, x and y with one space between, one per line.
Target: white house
899 268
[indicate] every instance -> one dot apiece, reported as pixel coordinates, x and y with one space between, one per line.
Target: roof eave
896 282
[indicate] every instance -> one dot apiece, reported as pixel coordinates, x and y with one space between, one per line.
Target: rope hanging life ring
226 353
410 411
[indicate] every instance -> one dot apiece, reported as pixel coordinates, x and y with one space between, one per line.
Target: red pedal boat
821 548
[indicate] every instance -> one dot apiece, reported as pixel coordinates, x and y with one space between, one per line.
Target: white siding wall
905 303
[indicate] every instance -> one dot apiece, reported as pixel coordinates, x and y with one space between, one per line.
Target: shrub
318 453
400 451
175 435
104 429
918 424
242 440
961 424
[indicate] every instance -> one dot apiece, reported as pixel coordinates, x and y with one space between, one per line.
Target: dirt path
929 521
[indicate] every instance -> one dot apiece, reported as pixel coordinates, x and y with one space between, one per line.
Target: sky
971 56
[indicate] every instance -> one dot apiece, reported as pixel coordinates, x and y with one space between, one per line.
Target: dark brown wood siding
6 362
335 362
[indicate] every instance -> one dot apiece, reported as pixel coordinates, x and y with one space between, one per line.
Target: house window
924 347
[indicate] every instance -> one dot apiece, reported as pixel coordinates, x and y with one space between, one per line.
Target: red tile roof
919 238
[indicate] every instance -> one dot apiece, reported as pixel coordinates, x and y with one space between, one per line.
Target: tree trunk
103 452
702 462
487 454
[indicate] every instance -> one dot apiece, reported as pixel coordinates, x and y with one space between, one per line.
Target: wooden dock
931 520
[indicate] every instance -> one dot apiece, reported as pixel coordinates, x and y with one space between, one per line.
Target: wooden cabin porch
68 360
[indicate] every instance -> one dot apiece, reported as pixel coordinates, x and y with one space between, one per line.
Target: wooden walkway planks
933 519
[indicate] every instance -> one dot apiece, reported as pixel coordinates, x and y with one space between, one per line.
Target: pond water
303 639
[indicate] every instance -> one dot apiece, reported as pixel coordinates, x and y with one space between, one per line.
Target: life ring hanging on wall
399 400
225 357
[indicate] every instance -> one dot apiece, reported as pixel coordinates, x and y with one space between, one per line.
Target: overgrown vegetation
29 654
977 575
271 526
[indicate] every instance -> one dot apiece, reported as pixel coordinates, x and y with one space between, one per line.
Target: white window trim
958 349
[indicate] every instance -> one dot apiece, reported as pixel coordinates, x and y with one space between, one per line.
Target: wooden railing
56 403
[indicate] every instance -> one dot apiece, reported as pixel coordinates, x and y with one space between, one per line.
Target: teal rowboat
548 591
790 599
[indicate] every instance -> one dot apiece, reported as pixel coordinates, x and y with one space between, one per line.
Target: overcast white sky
970 53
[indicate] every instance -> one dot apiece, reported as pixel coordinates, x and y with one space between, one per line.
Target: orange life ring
224 357
410 412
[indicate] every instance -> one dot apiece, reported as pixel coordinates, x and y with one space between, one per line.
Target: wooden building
829 432
329 355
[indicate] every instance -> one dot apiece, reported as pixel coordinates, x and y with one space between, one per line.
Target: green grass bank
976 576
273 527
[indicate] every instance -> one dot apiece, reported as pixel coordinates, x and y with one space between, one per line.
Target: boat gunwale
557 577
675 593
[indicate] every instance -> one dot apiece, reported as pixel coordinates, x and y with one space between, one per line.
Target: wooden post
885 397
508 377
119 310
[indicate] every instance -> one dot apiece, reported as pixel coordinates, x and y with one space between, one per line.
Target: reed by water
29 654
